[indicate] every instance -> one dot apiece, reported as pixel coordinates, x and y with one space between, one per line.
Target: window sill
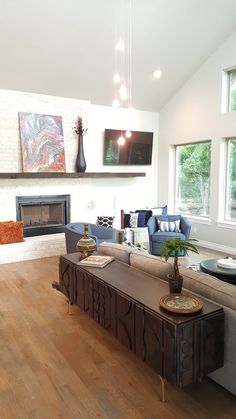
227 224
199 220
227 111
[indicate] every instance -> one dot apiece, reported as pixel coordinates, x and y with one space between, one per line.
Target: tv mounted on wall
137 150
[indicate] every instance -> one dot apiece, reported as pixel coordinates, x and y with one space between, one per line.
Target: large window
231 180
232 90
193 164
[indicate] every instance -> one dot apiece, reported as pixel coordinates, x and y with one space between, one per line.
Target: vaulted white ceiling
66 47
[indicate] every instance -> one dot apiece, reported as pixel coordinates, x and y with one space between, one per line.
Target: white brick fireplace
89 196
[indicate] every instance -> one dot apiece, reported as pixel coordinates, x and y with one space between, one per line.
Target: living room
186 105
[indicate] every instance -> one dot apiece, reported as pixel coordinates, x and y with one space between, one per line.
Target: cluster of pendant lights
122 81
123 71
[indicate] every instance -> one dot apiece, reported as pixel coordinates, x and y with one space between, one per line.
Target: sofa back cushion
210 287
150 264
120 252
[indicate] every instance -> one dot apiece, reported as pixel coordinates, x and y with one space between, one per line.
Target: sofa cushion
150 264
210 287
119 251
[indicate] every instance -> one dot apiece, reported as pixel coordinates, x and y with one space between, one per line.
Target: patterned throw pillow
105 221
135 219
169 226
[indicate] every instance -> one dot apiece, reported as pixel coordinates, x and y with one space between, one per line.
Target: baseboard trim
217 247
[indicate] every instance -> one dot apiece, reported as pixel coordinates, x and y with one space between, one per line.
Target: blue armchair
74 232
158 237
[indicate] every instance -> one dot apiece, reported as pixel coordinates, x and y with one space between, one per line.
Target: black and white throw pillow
169 226
133 221
105 221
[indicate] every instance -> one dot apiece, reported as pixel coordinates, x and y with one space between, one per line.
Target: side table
210 267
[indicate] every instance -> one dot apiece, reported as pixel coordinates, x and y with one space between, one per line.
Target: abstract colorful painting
42 142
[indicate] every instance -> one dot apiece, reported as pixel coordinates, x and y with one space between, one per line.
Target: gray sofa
199 283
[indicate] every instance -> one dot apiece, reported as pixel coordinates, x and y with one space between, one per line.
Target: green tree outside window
232 90
231 181
193 178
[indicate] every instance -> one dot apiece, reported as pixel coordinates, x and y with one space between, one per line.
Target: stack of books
96 261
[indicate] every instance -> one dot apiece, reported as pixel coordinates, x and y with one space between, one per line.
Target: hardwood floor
53 365
203 254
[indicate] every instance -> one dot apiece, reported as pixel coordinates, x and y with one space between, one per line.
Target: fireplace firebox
44 214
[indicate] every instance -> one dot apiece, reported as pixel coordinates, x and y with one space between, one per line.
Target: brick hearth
33 248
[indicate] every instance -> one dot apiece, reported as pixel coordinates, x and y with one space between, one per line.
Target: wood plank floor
53 365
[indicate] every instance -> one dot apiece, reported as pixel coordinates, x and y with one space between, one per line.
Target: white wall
89 197
194 114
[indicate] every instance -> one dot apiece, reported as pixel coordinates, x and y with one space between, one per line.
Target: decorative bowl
227 263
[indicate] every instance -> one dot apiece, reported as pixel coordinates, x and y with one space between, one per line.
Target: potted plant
174 247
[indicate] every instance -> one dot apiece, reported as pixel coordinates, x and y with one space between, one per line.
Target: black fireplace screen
45 214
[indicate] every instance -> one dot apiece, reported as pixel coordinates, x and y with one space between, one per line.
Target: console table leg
162 388
69 310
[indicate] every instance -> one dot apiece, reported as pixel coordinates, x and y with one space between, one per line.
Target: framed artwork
42 142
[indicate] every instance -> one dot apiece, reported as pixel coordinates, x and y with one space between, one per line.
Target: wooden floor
53 365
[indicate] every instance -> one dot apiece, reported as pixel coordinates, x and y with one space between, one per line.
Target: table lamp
86 245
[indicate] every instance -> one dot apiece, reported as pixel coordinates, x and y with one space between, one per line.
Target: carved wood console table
182 349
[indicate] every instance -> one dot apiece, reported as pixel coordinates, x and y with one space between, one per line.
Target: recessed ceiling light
157 74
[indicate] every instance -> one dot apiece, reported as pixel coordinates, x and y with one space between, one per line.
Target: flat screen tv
137 150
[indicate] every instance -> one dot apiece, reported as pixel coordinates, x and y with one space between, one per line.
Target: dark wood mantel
55 175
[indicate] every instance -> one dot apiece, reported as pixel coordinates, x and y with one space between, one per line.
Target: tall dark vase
80 164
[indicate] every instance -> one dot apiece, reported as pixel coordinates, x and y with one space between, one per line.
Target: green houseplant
172 248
